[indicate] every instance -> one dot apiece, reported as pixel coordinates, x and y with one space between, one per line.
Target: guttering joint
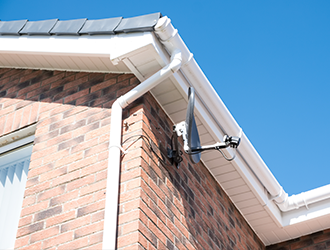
176 60
304 199
273 198
122 102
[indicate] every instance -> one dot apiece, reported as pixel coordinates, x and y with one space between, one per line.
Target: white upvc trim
14 166
303 214
17 144
89 46
17 138
59 45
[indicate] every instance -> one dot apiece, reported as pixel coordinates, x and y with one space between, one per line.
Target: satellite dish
188 130
192 136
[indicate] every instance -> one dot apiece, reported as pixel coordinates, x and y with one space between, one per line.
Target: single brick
48 213
30 229
79 222
89 229
60 239
91 208
44 234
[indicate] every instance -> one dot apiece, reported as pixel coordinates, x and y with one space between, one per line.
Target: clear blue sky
268 60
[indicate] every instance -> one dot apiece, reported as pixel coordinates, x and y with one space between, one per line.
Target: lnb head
232 141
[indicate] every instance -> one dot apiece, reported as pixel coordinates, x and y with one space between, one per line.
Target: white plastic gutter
112 191
306 198
198 80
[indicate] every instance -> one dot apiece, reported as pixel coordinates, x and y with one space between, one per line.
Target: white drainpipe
111 206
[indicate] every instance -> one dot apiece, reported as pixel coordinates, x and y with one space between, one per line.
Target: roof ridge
76 27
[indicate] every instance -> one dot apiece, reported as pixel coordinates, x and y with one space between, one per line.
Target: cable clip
240 132
120 147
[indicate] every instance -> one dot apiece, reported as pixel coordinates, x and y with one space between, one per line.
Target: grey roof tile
11 27
101 26
80 26
39 27
69 27
139 23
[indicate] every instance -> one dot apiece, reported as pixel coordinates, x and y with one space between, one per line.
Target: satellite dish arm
228 141
218 145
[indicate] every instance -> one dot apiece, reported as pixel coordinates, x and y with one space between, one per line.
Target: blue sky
268 60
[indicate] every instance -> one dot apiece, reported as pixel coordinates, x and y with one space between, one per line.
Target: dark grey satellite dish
191 142
192 136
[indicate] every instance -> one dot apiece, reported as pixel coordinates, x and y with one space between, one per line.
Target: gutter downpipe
112 190
198 80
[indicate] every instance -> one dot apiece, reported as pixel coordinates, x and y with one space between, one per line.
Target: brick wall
161 206
65 193
316 241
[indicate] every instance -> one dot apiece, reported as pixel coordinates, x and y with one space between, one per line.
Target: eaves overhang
142 52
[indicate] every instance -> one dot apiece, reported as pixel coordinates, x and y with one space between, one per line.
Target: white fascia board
162 57
229 126
126 45
57 45
112 46
304 214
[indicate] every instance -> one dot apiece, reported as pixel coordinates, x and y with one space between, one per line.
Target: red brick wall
316 241
161 207
65 193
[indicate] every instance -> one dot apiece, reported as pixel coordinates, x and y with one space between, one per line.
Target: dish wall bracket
174 153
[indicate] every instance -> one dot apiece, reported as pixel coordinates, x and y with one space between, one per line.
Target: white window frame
15 153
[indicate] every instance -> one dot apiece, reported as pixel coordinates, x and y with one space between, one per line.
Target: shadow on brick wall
83 88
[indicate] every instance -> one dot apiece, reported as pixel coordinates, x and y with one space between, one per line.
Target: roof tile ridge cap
26 20
82 26
58 20
49 32
129 19
121 19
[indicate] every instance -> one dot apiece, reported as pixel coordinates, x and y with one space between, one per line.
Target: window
14 167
